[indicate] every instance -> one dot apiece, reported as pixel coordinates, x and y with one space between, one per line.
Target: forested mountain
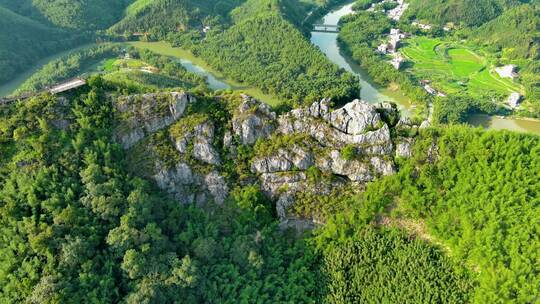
86 218
163 16
516 33
70 14
264 49
465 12
24 41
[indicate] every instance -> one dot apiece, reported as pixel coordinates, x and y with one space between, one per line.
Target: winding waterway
373 93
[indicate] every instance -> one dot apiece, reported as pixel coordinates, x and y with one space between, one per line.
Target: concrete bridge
326 28
64 86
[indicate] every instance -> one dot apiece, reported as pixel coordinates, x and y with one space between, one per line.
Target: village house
507 71
514 100
397 61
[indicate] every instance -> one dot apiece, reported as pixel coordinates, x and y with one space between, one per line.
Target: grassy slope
446 65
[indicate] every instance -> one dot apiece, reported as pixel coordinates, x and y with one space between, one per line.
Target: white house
513 100
507 71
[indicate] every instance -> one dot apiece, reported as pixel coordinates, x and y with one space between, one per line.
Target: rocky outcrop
366 127
253 120
317 150
142 115
357 123
199 142
190 187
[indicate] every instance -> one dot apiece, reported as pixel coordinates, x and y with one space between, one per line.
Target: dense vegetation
68 67
78 227
247 41
465 12
159 17
24 41
474 192
74 14
269 53
145 72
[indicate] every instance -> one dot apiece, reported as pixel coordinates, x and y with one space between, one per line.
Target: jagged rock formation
287 149
142 115
362 126
253 120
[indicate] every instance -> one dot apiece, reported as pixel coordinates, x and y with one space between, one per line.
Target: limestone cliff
195 158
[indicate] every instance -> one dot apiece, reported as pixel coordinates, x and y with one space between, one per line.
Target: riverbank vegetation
126 67
255 43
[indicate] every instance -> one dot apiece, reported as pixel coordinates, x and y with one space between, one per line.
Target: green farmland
453 68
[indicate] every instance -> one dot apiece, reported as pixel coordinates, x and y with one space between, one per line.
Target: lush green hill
466 12
516 33
71 14
163 16
269 52
23 41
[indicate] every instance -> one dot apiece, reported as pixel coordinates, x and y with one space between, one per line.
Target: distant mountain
517 29
70 14
465 12
24 41
170 15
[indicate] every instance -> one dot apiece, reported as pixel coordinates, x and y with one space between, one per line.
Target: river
216 80
373 93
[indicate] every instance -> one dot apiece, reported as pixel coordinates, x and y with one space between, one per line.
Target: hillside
152 197
515 33
465 12
24 41
163 16
70 14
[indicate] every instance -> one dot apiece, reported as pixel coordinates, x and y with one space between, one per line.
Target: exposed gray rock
178 181
189 187
142 115
202 137
381 166
284 160
253 120
217 186
285 201
404 148
355 118
425 124
356 171
356 123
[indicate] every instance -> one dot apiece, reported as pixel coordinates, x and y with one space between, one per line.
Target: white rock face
142 115
254 120
355 118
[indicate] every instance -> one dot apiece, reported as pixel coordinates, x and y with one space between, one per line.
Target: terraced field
454 68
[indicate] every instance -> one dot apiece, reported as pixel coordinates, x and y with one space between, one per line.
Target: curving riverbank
216 80
373 93
328 44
